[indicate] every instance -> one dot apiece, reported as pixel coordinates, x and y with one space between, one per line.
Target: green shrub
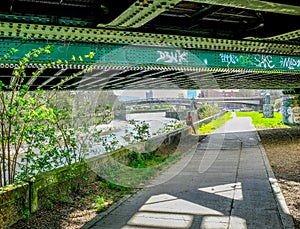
144 160
101 203
207 110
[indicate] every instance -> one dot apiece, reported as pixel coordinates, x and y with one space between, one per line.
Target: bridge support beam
268 107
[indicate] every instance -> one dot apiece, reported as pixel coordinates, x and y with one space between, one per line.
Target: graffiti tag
289 63
264 61
229 58
296 114
177 57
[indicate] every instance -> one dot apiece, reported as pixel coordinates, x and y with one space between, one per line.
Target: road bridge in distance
256 101
153 101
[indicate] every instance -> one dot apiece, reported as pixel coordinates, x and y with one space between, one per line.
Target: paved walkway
226 182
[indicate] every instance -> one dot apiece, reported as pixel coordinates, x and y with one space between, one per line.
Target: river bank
282 148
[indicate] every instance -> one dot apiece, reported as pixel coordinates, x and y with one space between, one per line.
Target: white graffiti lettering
229 58
296 110
289 63
296 120
296 114
264 61
177 57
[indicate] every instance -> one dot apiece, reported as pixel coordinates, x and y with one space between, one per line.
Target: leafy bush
170 126
102 203
136 160
143 160
207 110
32 126
138 132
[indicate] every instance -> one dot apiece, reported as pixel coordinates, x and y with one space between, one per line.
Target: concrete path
226 182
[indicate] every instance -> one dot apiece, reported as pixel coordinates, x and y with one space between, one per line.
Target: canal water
156 121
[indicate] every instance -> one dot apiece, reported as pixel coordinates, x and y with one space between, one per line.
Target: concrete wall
207 120
14 200
21 199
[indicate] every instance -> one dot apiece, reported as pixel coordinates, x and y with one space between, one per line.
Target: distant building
127 98
217 93
180 95
191 94
203 94
149 94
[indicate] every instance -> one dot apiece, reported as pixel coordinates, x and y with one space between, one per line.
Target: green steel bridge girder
142 12
69 34
146 57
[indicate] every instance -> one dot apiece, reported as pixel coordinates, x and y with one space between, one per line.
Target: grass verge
215 124
260 122
140 168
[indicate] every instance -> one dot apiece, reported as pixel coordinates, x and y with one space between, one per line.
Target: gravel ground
281 145
80 209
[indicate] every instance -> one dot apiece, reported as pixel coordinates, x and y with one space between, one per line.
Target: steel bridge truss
128 66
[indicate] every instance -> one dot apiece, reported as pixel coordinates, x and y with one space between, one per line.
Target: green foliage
26 213
112 186
170 126
260 122
33 136
138 132
90 109
207 110
100 200
144 160
116 172
215 124
49 204
111 192
103 113
109 142
102 203
136 160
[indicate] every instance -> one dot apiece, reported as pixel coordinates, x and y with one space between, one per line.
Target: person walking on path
189 121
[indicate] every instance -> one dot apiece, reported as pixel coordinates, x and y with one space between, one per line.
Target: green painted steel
142 12
44 19
73 34
258 5
62 51
150 56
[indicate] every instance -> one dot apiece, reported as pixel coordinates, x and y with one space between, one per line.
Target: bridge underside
142 44
115 78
